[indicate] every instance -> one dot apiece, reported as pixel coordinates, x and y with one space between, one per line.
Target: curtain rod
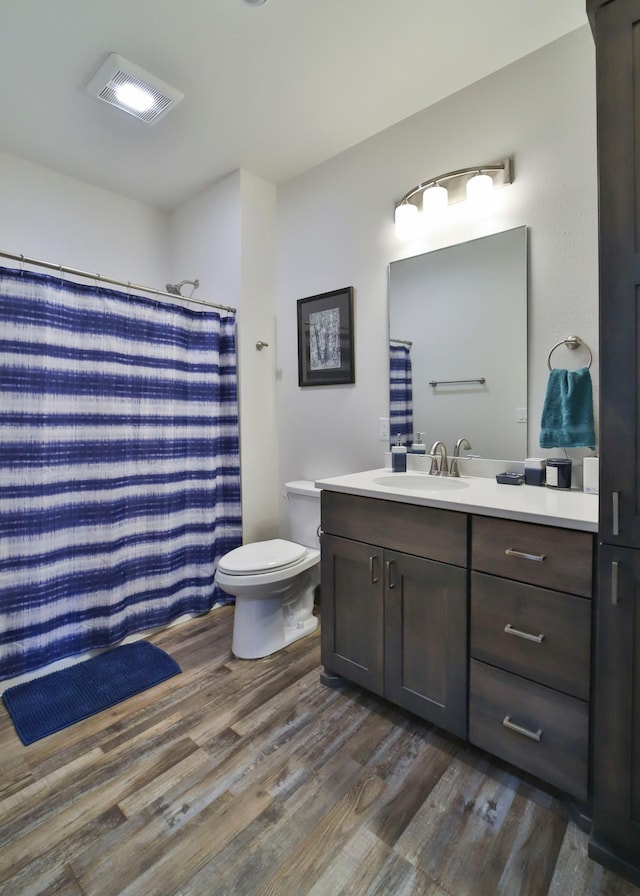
402 342
89 276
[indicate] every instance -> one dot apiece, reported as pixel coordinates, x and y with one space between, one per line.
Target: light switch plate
383 429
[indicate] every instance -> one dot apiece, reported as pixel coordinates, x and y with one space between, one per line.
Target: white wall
335 229
56 218
225 239
261 491
205 242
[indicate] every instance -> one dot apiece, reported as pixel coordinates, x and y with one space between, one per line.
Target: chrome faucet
443 470
461 443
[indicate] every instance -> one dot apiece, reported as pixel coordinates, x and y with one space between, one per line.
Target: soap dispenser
399 457
418 447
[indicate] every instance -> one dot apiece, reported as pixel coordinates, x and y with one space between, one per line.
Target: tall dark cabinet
615 839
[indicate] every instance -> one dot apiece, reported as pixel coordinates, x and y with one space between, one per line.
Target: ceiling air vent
128 87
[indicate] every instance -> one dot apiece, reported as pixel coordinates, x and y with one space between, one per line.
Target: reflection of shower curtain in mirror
400 394
119 465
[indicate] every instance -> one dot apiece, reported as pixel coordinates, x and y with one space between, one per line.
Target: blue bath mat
59 699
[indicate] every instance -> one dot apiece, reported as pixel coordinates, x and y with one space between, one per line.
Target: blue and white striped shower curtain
119 465
400 394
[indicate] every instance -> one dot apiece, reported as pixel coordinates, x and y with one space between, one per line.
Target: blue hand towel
567 413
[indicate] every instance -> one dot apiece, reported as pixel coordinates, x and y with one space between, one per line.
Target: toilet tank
303 506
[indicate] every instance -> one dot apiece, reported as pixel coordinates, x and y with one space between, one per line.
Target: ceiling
274 89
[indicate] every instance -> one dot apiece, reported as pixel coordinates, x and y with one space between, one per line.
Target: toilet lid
261 556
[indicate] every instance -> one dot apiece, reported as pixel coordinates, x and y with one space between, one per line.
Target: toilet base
301 630
266 638
264 625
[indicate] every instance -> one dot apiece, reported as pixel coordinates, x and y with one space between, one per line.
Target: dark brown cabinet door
616 821
426 639
352 611
616 725
617 32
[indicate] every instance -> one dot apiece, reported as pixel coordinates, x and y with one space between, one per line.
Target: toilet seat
262 557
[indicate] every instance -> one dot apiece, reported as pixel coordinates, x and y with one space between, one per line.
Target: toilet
274 581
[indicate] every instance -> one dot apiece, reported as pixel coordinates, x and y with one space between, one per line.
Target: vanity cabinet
615 839
479 624
530 646
394 603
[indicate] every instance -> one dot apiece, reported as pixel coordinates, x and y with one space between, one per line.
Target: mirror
463 310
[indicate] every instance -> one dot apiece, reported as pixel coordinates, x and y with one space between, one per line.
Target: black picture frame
325 339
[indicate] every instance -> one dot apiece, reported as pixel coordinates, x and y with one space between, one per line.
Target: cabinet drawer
553 737
540 555
539 634
421 531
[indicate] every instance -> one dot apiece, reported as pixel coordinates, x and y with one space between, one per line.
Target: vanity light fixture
126 86
473 184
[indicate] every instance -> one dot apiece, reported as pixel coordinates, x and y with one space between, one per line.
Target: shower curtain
119 465
400 394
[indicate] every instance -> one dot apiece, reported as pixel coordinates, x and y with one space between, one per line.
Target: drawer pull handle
615 510
511 552
392 584
533 735
510 630
614 583
372 569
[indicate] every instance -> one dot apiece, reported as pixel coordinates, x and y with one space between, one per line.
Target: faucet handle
461 443
433 470
444 466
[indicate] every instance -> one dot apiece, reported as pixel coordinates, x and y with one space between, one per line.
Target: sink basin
420 481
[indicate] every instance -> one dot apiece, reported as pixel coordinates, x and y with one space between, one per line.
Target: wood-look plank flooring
250 777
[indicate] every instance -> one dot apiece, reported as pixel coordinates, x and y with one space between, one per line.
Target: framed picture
325 339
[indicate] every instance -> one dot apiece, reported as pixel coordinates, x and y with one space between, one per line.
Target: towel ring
571 342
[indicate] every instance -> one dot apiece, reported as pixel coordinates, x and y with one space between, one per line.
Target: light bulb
134 97
406 221
435 201
479 189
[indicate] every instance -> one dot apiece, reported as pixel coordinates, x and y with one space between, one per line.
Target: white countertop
571 509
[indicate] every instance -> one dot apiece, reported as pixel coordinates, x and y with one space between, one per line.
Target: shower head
176 288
